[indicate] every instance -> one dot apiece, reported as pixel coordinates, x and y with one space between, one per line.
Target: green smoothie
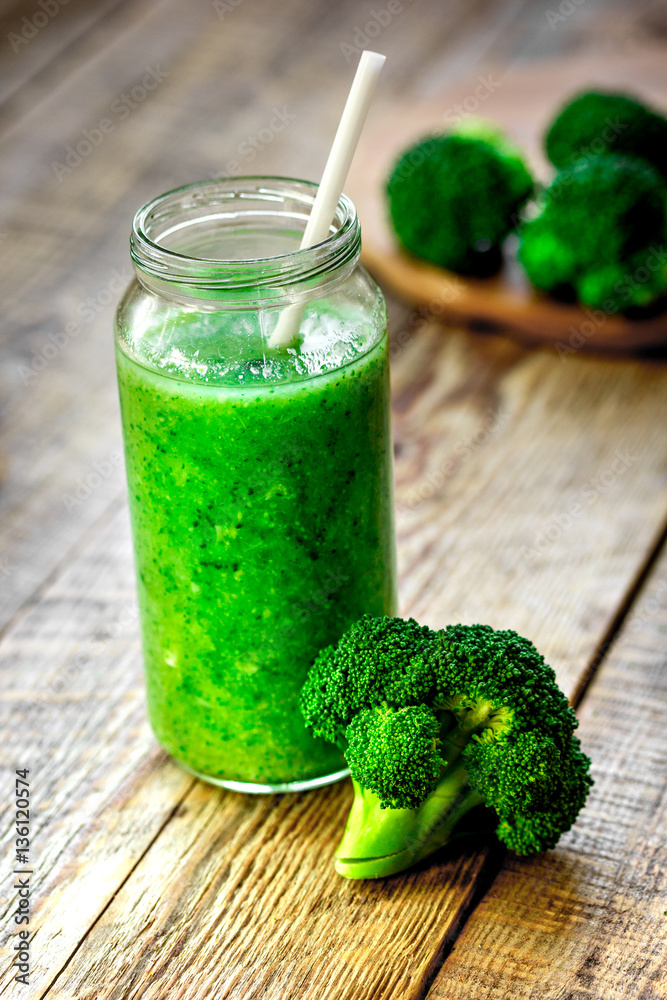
261 504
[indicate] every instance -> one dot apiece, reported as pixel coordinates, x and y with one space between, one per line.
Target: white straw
333 178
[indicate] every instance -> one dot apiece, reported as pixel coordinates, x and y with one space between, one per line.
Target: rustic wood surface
530 494
590 921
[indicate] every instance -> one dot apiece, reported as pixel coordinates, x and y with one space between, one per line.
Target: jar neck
236 241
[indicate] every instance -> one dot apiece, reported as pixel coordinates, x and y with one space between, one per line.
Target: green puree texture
263 526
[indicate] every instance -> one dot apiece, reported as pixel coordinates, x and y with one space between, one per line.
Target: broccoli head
600 234
453 198
594 123
433 724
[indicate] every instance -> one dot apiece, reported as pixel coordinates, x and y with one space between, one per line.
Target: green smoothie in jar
259 477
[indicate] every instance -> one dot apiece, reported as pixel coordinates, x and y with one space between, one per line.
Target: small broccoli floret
594 123
454 198
436 723
394 751
600 234
377 660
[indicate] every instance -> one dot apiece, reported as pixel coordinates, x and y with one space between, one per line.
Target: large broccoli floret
600 233
594 123
433 724
454 198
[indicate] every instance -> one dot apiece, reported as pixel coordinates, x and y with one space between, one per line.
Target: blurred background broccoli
594 122
596 233
454 198
600 234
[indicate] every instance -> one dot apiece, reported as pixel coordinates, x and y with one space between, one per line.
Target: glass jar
260 477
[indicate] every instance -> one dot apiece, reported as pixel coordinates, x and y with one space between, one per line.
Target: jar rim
267 277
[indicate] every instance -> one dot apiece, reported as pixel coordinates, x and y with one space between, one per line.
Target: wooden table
531 495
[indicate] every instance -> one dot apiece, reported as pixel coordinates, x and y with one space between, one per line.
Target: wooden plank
72 710
465 371
38 43
251 907
61 400
519 484
588 920
101 791
198 919
74 232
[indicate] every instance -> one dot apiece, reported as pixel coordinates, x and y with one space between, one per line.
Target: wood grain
517 476
146 883
74 236
32 55
101 789
59 296
443 388
252 908
588 920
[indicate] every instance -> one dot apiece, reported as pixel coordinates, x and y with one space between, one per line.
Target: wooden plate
522 101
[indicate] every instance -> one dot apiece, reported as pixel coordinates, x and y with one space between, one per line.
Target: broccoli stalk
380 840
433 725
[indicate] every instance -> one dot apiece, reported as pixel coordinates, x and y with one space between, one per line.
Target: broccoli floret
594 123
395 752
375 661
433 724
600 234
454 198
